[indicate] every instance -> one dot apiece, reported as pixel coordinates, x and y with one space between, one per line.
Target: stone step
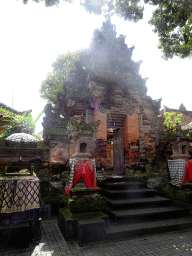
150 213
128 193
138 202
121 178
117 232
119 185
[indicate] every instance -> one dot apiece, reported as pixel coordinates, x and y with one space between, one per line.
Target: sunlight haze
32 36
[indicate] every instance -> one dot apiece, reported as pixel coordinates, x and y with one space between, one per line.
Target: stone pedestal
180 156
83 227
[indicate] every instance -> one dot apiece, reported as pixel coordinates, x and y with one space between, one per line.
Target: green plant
171 124
180 195
172 120
145 175
187 247
172 127
86 203
54 81
83 126
17 123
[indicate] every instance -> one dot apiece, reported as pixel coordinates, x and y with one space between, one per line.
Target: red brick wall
60 153
101 136
102 129
131 138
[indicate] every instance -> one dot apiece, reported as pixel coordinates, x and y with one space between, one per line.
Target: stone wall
10 155
59 152
148 128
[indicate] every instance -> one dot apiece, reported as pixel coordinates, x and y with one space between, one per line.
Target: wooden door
118 151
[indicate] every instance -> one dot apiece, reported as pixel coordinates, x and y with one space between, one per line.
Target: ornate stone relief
129 106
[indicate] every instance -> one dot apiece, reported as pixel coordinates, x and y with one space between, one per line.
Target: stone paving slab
52 243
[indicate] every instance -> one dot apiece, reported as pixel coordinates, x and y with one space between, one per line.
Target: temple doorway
115 146
118 151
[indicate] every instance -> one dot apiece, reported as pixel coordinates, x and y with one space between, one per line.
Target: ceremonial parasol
21 139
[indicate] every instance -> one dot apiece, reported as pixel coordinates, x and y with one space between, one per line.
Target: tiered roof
4 106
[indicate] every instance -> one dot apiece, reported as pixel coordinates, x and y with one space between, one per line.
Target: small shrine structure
103 112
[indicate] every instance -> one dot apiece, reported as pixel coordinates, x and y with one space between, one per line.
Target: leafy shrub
86 204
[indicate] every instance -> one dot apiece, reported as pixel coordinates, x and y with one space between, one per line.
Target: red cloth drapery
86 174
188 173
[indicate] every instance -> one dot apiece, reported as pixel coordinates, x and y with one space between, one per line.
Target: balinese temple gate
103 117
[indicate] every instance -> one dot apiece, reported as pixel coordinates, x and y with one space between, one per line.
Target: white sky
32 36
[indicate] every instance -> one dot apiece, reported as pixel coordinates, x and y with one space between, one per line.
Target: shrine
103 112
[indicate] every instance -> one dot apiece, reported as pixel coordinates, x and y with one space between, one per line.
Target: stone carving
105 80
51 112
129 106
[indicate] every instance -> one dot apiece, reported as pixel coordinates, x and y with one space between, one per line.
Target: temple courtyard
53 243
112 174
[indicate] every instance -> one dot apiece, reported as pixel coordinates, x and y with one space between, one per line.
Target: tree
171 121
55 79
172 20
47 2
173 23
172 127
108 60
182 107
18 123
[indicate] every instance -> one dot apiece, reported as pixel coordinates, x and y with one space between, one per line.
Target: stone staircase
135 210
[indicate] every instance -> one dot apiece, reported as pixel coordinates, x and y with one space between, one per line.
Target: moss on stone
43 179
78 204
52 199
186 186
183 204
57 131
183 195
64 199
76 190
83 126
83 215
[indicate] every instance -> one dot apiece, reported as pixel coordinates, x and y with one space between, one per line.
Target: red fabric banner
86 174
188 173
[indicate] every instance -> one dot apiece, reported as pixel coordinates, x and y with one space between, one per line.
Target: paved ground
52 243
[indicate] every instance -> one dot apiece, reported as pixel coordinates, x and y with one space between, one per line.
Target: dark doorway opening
83 147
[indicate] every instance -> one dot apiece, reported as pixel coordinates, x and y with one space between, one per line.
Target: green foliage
172 120
55 79
48 3
18 123
64 199
172 126
40 144
110 141
187 247
57 131
86 204
94 6
129 10
182 107
145 175
172 20
173 23
83 126
183 195
52 199
187 186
